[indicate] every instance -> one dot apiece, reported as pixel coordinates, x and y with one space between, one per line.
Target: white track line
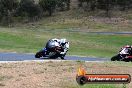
44 61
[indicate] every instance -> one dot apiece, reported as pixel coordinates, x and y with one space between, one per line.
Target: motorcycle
123 57
53 53
120 57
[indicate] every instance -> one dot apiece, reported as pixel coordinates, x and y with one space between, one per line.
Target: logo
83 78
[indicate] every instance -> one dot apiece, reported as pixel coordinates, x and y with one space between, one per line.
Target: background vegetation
34 10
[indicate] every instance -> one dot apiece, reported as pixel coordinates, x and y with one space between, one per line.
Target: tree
124 4
106 5
68 4
48 5
28 8
8 5
81 2
7 10
92 4
63 5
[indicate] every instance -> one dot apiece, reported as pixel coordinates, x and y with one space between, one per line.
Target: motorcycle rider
126 50
123 54
63 43
51 45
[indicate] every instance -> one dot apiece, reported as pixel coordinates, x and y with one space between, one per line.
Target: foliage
48 5
63 4
106 5
7 9
28 8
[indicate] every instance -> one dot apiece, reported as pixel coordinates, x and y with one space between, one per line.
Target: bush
7 10
63 5
48 5
28 8
8 5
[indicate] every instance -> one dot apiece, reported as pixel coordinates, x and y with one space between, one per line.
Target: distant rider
126 50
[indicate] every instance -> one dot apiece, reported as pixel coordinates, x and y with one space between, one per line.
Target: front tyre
37 55
116 58
62 58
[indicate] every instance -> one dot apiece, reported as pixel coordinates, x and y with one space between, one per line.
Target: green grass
33 39
99 86
94 86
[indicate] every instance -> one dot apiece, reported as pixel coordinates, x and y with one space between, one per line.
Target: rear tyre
126 59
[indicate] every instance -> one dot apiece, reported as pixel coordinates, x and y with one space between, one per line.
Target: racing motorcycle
123 57
52 53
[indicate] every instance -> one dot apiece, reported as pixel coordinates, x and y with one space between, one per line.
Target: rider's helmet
63 41
53 44
127 46
56 39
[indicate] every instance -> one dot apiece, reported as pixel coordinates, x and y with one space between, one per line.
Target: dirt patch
53 74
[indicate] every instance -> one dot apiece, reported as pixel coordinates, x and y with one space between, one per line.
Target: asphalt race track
24 57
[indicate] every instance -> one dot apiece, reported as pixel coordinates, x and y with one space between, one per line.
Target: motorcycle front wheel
37 55
116 58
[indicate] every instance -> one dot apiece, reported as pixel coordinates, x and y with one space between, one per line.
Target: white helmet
127 46
56 44
63 40
55 39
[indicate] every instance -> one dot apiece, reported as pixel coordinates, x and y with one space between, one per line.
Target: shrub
48 5
7 10
28 8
